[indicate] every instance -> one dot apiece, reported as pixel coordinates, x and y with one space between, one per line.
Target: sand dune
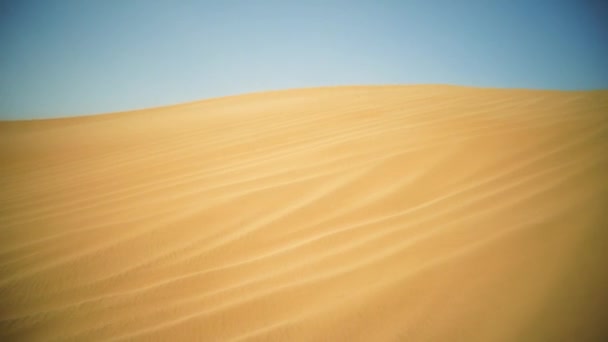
385 213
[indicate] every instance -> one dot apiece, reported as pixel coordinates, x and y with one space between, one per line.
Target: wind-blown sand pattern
386 213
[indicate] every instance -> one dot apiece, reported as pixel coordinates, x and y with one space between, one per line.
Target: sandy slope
414 213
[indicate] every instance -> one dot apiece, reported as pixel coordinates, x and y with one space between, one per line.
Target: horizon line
279 90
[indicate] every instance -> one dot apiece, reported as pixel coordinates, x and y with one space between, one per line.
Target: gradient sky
75 57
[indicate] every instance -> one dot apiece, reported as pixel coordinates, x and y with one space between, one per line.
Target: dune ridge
363 213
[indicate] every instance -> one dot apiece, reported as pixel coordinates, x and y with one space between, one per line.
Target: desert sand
361 213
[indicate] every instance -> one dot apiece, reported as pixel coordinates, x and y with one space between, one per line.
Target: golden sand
384 213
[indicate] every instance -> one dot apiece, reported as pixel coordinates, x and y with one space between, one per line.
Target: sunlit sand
385 213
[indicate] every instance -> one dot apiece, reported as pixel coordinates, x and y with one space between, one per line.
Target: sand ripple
386 213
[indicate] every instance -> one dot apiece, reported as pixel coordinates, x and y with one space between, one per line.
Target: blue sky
76 57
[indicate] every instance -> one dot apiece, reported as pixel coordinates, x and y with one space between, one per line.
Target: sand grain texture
384 213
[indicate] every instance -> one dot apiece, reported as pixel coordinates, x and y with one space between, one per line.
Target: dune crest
380 213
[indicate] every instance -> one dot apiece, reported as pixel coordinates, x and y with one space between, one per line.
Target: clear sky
75 57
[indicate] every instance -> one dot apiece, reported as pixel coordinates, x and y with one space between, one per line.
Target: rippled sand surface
384 213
